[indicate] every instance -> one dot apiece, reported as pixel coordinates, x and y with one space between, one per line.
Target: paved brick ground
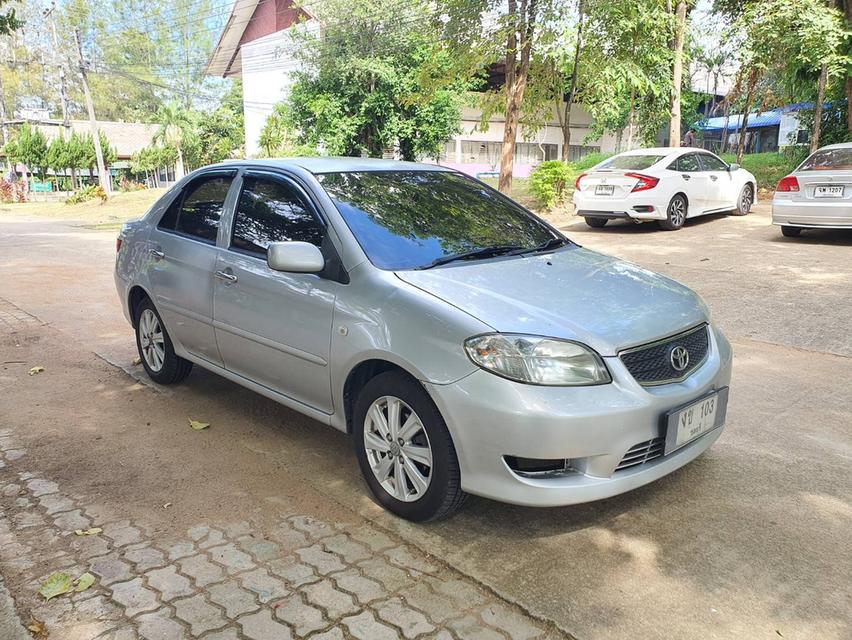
223 580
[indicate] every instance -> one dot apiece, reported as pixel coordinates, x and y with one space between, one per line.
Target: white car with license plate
818 194
667 185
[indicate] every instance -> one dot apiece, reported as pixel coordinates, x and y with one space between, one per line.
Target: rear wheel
791 232
156 350
745 201
596 222
404 449
675 214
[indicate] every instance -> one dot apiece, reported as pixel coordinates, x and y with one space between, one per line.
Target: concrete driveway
749 541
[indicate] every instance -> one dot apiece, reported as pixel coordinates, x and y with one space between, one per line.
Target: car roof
839 145
339 164
663 151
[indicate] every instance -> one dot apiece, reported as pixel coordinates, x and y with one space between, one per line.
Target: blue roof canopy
755 121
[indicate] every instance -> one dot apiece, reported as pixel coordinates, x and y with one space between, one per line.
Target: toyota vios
466 345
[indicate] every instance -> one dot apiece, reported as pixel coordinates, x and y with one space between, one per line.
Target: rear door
274 328
182 258
723 187
692 180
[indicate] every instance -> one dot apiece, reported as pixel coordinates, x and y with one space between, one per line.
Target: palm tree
175 124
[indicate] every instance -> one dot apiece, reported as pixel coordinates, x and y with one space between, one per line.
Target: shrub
126 184
768 168
549 181
85 194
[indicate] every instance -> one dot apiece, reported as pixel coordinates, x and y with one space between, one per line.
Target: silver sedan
466 345
818 194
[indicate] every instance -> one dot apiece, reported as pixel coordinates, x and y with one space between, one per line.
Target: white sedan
667 184
818 194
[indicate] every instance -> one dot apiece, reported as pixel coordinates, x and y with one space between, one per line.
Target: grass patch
94 213
767 168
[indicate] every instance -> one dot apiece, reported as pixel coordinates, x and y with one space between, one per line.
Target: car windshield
414 219
630 162
829 160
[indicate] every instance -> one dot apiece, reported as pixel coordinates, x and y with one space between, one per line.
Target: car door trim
272 344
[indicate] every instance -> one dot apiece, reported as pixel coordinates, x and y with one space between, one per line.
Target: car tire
745 201
596 222
675 214
398 394
157 354
791 232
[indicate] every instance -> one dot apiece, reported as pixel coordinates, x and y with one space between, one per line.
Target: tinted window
630 162
712 163
828 160
272 211
688 163
407 219
198 212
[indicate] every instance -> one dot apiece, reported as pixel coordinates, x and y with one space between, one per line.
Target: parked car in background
667 185
818 194
468 346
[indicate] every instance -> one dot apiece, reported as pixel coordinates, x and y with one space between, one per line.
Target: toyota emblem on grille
679 358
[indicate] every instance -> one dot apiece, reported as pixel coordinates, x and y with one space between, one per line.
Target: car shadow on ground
628 227
833 237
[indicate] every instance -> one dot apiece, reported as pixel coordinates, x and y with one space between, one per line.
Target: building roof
250 20
755 121
126 137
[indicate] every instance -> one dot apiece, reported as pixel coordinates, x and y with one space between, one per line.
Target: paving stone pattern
303 578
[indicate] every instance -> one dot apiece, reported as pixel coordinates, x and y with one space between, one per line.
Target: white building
256 45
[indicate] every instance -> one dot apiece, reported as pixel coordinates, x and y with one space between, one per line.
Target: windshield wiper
553 243
484 252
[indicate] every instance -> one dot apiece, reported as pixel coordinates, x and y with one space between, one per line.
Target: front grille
652 363
642 453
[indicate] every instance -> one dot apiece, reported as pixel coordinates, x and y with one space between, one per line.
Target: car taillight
645 182
788 184
118 244
577 181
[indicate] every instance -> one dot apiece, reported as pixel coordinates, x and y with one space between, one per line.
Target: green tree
174 131
372 82
8 20
29 147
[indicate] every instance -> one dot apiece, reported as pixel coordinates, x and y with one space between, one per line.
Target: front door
182 258
274 328
693 182
722 191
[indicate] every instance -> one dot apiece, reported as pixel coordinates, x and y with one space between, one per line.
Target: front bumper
827 214
630 208
490 417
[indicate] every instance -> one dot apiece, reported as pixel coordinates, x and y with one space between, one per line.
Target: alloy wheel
151 340
677 212
746 200
398 449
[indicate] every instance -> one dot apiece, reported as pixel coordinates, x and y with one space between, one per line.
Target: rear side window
198 210
829 160
688 163
712 163
631 162
270 211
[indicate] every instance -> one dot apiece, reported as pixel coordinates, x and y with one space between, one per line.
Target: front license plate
828 192
604 190
691 421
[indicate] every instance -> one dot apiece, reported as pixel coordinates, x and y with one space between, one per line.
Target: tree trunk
565 122
179 171
73 178
619 137
517 71
752 80
847 9
630 118
823 77
677 73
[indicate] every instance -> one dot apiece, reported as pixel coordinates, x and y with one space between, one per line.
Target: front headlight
537 360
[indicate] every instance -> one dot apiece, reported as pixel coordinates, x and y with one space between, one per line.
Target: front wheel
404 449
791 232
675 214
156 350
745 201
596 222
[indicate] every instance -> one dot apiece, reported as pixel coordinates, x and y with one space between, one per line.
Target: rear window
829 160
631 162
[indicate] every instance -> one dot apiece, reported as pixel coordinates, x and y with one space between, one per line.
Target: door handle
156 254
226 277
686 176
714 178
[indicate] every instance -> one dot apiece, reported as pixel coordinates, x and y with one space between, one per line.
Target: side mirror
295 257
733 166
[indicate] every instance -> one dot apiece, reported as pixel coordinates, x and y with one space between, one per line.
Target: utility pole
48 13
103 178
3 119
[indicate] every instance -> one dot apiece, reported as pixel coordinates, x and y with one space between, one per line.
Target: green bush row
552 181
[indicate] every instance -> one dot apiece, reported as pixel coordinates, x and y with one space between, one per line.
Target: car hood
573 293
